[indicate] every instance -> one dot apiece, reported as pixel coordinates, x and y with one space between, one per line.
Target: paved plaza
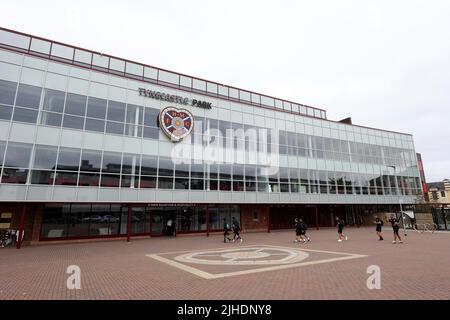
264 266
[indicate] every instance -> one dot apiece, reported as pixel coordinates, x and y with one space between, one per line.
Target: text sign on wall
174 98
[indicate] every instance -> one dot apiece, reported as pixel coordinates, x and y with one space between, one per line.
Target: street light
400 201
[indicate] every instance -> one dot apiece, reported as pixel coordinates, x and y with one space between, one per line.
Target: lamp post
400 201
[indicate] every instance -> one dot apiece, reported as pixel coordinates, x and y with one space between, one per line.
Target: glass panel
185 81
147 182
94 125
244 95
234 93
152 133
134 69
111 162
91 160
151 117
28 96
83 56
42 177
117 65
40 46
89 179
68 159
116 111
96 108
256 98
5 112
267 101
149 165
51 119
7 92
25 115
130 164
75 104
169 77
73 122
14 39
165 183
62 51
134 114
165 167
18 155
110 180
223 91
54 100
100 61
199 84
45 157
114 127
212 87
150 73
14 175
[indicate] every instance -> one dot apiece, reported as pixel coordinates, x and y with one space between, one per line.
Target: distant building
439 192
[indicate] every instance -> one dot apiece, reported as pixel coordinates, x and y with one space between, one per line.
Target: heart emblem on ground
176 123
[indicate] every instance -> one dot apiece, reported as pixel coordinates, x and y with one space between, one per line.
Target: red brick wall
248 223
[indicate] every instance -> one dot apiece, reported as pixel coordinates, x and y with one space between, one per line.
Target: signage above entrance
174 98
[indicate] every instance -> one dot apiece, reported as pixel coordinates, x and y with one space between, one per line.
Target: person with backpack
379 224
395 226
340 225
236 230
226 231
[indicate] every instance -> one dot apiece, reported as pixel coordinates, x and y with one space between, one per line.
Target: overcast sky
384 63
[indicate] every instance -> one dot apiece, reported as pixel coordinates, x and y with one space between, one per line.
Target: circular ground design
245 256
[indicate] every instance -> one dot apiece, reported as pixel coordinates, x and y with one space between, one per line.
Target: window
28 96
91 160
68 159
96 108
75 104
54 100
18 155
45 157
116 111
111 162
7 92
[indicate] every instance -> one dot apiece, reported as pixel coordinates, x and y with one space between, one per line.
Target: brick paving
417 269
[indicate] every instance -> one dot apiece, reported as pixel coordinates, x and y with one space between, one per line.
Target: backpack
304 226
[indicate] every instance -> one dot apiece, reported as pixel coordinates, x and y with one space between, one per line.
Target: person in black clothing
298 227
395 226
340 225
303 229
226 231
379 224
236 229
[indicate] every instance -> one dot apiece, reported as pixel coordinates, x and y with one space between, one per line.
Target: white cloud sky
384 63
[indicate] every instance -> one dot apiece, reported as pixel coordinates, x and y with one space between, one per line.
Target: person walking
236 230
379 224
340 225
395 227
226 231
298 227
304 227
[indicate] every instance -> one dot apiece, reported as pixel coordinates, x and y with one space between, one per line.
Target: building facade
92 146
439 192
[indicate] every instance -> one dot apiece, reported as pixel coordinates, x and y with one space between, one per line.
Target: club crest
176 123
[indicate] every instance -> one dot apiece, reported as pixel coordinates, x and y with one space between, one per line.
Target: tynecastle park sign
173 98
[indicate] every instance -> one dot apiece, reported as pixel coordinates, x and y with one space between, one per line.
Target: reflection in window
7 92
28 96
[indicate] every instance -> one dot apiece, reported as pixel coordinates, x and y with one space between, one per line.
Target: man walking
236 229
379 224
395 226
226 231
340 225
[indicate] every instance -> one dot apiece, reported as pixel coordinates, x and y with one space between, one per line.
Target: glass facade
72 121
65 221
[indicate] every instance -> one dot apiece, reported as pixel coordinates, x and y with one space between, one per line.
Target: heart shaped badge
176 123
